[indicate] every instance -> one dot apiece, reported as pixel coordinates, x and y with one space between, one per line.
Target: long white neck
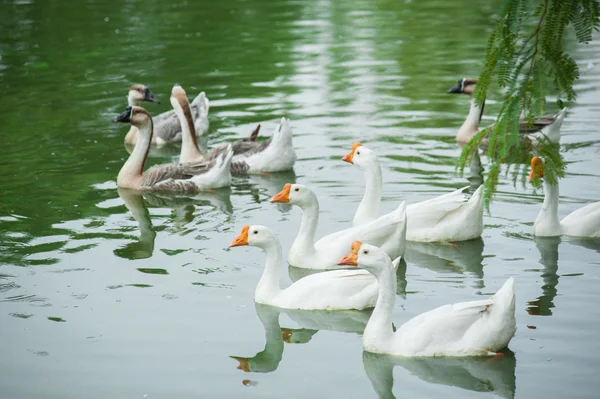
470 126
190 152
304 244
268 286
368 209
378 333
547 222
130 175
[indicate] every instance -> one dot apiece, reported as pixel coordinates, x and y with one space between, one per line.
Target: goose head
295 194
254 236
366 256
182 106
464 86
537 168
360 156
140 93
137 116
178 97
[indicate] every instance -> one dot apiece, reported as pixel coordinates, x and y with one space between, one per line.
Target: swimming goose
183 178
190 151
546 126
388 231
449 217
331 290
584 222
477 328
276 154
167 127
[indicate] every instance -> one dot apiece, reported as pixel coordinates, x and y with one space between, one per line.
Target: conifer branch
525 56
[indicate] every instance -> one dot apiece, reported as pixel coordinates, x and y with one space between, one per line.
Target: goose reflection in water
267 360
262 187
548 248
460 257
144 247
475 176
183 208
478 374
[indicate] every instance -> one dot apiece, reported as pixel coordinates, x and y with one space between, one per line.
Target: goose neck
132 102
268 286
378 332
547 222
471 125
190 152
130 175
305 240
368 209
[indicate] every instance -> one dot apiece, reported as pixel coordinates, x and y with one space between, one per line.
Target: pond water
108 294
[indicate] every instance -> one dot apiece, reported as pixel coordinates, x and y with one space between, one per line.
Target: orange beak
286 335
537 168
284 195
352 258
242 239
244 365
348 158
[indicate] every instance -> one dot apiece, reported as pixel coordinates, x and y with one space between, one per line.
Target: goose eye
255 231
366 252
296 189
357 152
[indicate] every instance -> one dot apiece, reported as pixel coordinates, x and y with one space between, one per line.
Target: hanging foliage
526 58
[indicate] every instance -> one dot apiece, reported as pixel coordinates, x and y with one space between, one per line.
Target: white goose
546 126
183 178
388 231
276 154
584 222
449 217
167 126
478 328
331 290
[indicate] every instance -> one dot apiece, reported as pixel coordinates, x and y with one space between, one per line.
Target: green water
108 294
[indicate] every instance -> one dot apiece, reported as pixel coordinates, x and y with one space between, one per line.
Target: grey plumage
537 124
244 150
175 177
239 168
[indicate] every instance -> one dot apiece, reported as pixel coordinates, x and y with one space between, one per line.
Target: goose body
583 222
449 217
331 290
477 328
276 154
545 127
174 178
167 126
389 231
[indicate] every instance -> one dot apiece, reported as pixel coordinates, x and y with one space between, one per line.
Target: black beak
149 96
456 89
125 116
